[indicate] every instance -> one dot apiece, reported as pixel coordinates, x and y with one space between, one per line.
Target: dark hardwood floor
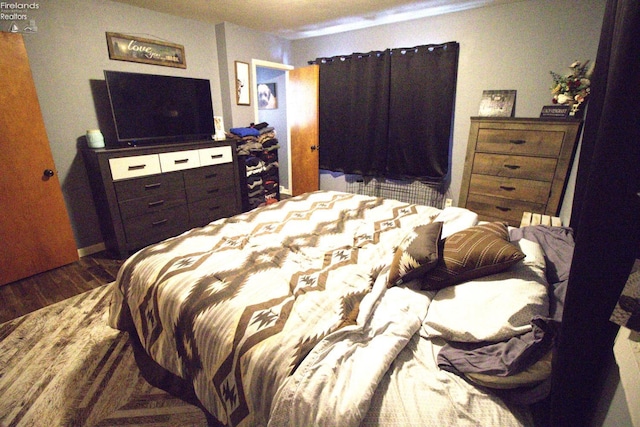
30 294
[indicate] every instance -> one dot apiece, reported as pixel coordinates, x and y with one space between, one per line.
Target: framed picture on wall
243 92
267 96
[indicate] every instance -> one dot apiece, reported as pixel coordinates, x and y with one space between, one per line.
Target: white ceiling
296 19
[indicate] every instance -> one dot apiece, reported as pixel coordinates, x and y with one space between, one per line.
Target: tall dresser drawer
537 143
491 208
134 166
541 169
510 188
146 186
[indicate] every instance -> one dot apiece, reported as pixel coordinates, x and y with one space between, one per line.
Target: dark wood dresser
146 194
516 165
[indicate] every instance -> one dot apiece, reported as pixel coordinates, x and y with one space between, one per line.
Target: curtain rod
378 53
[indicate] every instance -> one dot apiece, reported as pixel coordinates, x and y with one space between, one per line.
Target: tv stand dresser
146 194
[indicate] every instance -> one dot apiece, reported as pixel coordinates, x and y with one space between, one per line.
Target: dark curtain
423 87
605 217
353 122
389 114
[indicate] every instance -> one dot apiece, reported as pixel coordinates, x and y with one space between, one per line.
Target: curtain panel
389 113
606 219
354 101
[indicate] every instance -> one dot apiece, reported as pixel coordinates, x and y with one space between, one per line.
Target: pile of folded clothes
257 148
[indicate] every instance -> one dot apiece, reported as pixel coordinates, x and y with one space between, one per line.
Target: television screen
151 108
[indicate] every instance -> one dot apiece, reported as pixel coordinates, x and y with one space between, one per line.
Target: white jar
95 138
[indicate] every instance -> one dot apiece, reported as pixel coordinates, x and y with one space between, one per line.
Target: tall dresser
516 165
147 194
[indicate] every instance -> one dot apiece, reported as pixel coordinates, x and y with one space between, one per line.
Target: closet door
303 98
35 233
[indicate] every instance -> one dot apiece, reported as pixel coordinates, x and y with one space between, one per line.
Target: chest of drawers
147 194
517 165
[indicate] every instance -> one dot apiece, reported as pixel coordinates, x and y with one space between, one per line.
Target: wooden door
35 233
303 96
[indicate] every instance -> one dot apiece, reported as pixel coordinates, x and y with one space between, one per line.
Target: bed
332 309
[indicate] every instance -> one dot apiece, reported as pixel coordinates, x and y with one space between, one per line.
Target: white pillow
492 308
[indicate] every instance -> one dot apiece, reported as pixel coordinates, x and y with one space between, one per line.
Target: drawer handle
154 204
154 185
136 167
505 188
212 175
512 167
216 156
503 209
181 161
517 141
156 223
214 208
212 190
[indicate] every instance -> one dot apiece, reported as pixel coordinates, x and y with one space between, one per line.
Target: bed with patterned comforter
287 316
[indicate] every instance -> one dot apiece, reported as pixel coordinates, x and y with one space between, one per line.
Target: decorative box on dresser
516 165
146 194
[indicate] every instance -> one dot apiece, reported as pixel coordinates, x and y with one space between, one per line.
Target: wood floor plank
35 292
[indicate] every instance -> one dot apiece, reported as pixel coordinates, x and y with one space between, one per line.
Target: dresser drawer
179 160
215 155
150 204
134 166
205 211
514 141
511 188
209 175
152 185
496 208
536 168
143 230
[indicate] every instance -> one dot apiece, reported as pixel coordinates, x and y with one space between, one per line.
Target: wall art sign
557 111
243 88
137 49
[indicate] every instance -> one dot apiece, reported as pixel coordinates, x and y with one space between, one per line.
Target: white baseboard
90 250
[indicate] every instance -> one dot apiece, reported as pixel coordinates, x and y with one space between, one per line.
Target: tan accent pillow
534 374
417 254
471 253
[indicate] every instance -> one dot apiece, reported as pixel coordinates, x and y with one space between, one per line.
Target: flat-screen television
151 108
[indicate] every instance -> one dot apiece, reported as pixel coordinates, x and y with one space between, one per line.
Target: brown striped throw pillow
471 253
417 254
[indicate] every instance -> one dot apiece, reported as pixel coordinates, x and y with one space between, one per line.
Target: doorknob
314 148
48 173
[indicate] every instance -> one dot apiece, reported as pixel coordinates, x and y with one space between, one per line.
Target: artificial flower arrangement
573 88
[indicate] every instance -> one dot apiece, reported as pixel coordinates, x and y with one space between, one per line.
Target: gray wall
502 47
68 55
512 46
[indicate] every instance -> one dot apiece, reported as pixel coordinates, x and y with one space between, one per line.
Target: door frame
254 94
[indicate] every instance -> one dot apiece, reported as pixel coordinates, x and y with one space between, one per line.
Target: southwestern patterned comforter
282 315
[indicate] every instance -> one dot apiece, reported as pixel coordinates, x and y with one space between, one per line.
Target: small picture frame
497 103
557 111
218 123
243 83
267 96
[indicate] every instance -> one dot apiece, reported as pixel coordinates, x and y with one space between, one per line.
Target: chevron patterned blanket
241 305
